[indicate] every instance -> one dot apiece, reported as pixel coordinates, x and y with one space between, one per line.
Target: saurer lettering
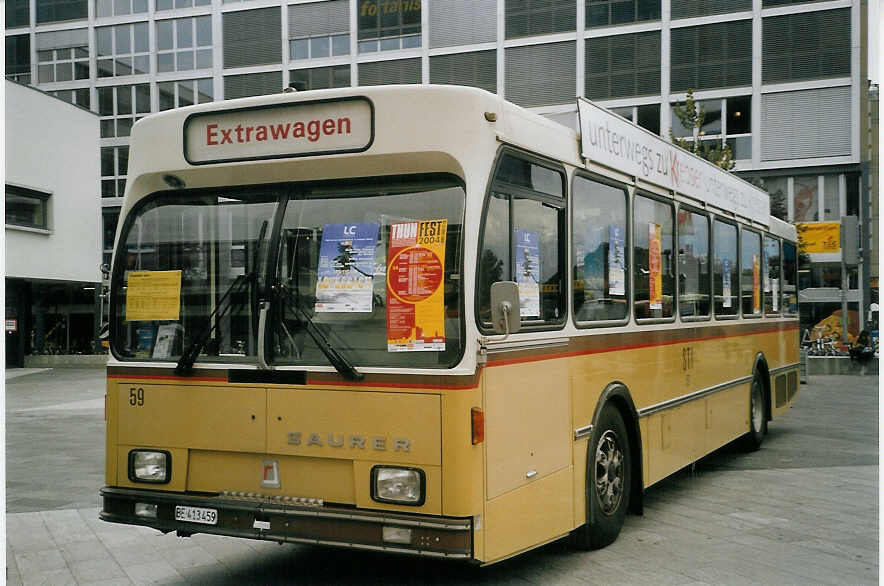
338 440
312 130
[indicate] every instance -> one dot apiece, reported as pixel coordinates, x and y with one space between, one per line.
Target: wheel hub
609 473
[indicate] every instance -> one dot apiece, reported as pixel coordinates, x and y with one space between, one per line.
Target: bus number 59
136 396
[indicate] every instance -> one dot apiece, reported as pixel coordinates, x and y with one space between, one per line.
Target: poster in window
775 289
415 286
153 295
616 261
655 265
528 272
726 283
756 285
765 270
346 267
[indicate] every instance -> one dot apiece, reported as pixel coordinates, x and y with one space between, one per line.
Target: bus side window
523 240
750 273
693 264
772 285
599 251
725 272
652 253
790 279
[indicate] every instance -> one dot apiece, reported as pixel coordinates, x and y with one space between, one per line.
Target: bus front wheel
757 416
609 480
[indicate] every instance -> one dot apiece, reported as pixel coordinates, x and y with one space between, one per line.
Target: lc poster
528 273
756 285
346 266
415 286
616 261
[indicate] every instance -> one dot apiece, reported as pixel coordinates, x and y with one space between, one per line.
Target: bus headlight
153 466
400 486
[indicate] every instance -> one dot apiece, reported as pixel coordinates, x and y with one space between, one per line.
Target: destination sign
610 140
287 130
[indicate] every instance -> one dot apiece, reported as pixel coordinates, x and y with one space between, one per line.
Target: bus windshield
194 266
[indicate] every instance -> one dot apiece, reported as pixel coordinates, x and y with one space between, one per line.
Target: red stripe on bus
552 356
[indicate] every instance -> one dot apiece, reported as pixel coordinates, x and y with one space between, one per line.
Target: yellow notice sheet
153 295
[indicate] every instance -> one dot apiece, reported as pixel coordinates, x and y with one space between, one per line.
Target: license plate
196 515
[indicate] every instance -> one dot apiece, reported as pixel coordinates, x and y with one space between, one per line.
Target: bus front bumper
273 519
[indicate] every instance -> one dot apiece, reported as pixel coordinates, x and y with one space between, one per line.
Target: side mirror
505 307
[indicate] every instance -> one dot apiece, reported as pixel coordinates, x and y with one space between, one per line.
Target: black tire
608 482
757 416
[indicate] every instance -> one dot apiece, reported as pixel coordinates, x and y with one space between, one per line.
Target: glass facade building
781 81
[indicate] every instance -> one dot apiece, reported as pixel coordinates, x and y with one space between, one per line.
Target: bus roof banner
296 129
610 140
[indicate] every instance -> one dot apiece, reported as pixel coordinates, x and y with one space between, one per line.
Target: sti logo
269 474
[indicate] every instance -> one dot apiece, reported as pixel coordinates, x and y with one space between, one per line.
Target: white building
53 224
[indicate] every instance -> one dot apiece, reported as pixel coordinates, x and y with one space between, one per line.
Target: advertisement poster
775 290
765 271
820 236
756 285
616 261
346 267
726 283
655 265
415 287
153 295
528 272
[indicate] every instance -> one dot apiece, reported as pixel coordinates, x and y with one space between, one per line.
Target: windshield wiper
189 356
341 364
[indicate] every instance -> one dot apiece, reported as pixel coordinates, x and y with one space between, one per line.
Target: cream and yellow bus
423 320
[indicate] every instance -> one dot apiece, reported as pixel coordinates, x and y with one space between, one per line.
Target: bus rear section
314 462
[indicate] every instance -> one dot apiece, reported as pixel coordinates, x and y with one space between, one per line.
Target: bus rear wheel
609 482
757 416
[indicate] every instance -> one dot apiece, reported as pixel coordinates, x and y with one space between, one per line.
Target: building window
185 92
169 4
18 58
110 217
252 84
62 64
725 120
121 106
78 97
693 8
541 75
319 29
60 10
320 78
805 200
119 7
27 207
18 13
711 56
475 69
809 45
114 165
525 18
647 116
252 37
122 50
386 25
623 65
608 12
390 72
184 44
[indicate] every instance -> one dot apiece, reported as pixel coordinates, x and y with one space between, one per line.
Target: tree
692 117
778 205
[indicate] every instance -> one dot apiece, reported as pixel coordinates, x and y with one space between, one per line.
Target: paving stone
89 571
158 572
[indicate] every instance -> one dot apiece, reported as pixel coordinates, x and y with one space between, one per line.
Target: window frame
561 204
783 244
672 205
41 196
736 226
760 235
627 190
779 241
705 213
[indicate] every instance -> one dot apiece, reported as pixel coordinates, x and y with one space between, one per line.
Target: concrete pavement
802 510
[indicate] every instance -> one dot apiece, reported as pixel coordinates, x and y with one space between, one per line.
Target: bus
423 320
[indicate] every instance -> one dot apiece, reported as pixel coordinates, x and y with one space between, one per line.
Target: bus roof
307 135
